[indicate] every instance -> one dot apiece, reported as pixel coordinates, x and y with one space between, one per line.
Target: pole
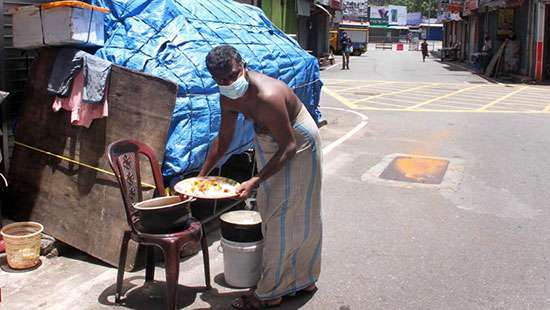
429 22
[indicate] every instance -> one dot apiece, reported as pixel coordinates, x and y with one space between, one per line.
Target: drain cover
416 170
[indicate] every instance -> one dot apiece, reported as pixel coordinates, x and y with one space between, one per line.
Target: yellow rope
74 161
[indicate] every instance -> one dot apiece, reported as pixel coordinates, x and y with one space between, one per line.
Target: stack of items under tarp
59 175
171 38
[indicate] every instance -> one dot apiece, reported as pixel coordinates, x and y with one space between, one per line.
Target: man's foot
310 289
250 302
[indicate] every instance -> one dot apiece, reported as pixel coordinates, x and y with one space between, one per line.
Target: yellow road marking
453 111
394 92
465 105
444 105
547 109
338 84
444 96
338 97
387 104
492 103
404 82
358 87
393 99
524 104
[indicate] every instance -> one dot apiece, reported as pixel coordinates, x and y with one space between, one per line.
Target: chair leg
172 266
150 264
121 266
205 258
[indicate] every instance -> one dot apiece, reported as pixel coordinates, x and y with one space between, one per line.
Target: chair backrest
124 158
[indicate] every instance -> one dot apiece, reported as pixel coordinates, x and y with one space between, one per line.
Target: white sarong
290 206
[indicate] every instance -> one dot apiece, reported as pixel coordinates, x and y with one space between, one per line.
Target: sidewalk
511 79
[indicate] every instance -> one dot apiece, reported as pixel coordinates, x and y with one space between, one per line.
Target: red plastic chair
123 156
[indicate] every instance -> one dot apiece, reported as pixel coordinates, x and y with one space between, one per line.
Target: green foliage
427 7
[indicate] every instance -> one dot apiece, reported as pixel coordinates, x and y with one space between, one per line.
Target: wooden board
78 205
490 70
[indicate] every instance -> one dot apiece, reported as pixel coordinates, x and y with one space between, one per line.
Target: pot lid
242 217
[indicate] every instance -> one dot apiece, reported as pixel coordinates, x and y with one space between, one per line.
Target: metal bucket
22 244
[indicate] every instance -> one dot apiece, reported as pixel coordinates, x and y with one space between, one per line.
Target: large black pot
241 226
163 215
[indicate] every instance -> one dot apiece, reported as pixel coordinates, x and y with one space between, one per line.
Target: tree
426 7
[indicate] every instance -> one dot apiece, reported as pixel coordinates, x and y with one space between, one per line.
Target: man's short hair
220 59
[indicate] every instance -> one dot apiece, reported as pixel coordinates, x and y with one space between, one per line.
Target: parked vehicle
359 38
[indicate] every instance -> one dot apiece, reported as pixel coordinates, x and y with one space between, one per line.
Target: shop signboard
470 6
455 6
378 15
493 4
356 9
514 3
505 23
397 15
414 18
497 4
450 10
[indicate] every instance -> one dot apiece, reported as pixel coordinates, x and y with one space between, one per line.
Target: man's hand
245 189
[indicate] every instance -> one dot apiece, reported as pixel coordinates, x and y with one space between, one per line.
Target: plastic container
27 27
58 23
242 262
22 244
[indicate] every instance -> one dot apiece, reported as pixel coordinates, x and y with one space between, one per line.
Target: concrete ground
480 240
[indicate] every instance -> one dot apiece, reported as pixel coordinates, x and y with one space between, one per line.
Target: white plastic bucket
242 262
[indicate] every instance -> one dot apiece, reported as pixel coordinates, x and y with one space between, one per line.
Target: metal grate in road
416 170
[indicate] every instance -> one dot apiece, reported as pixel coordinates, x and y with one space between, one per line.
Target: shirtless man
287 145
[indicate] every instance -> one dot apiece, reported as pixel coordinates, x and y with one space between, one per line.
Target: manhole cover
364 93
416 170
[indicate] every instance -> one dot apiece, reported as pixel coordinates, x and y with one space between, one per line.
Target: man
288 154
424 49
486 53
347 48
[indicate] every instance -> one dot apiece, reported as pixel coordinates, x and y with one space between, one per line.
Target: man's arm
221 143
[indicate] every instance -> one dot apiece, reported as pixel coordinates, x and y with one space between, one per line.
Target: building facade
522 24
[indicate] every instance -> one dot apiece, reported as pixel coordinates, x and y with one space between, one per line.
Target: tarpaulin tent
171 38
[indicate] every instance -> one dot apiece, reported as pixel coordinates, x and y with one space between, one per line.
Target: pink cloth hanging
82 114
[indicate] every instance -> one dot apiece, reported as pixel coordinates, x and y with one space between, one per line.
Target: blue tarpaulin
171 38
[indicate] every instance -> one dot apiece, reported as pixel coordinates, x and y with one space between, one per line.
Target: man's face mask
236 90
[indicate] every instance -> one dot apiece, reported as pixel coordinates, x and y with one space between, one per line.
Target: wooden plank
493 63
78 205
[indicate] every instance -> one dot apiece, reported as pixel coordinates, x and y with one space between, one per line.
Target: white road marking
330 67
364 120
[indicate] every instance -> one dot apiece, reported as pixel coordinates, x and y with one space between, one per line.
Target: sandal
247 302
310 289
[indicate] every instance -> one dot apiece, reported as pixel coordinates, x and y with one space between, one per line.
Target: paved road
478 240
480 243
